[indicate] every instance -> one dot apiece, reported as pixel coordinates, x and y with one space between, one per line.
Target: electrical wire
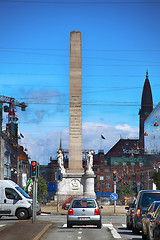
85 3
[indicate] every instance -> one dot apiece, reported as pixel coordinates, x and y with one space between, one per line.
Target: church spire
146 101
146 109
147 74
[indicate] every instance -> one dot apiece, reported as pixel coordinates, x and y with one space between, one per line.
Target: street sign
114 196
22 158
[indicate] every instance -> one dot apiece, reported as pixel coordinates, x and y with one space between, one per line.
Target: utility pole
34 174
58 178
114 195
34 201
114 200
57 195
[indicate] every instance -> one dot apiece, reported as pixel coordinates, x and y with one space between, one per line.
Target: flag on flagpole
102 137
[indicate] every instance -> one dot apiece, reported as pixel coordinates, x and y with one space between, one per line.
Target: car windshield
156 205
148 198
23 192
83 204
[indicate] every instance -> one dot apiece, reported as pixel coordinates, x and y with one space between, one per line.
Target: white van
15 202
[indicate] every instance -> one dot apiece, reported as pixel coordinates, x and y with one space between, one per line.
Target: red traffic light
34 169
33 163
114 176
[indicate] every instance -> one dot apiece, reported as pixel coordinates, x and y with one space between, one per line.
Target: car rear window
83 204
148 198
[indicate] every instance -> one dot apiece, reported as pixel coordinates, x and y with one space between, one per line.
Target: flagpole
101 143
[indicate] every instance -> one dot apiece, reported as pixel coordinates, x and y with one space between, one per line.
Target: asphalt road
113 227
7 221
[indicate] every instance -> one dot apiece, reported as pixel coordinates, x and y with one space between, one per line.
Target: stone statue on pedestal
90 161
60 161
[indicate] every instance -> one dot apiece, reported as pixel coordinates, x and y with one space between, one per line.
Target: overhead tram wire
83 2
83 50
88 104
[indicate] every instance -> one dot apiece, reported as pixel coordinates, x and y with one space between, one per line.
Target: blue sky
120 40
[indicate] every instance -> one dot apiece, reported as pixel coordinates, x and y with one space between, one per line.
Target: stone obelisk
75 181
75 110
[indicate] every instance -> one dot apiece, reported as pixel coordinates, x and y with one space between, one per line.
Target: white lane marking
124 225
113 230
79 232
107 225
2 225
79 237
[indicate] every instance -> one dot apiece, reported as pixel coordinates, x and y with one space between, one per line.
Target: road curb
44 230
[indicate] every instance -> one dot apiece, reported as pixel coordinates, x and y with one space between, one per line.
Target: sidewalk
25 230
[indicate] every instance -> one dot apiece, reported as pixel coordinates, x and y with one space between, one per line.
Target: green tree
42 193
126 190
156 179
42 189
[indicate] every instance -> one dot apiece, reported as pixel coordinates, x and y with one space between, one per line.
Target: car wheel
99 225
22 214
129 227
143 235
69 225
154 237
135 230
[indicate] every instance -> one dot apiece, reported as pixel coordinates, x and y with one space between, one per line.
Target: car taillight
70 212
138 212
132 211
96 212
158 223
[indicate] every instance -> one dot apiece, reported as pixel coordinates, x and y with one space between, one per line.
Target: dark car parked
154 225
147 217
144 200
129 214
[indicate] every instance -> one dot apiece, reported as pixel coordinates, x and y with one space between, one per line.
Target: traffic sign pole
57 195
34 201
114 200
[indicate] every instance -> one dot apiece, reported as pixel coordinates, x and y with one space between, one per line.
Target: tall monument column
75 182
75 111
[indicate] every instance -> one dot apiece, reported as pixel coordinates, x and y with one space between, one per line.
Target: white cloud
41 148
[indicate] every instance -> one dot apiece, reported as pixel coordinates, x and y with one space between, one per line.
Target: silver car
84 211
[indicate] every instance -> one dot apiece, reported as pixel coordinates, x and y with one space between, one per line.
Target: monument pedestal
71 185
89 184
76 185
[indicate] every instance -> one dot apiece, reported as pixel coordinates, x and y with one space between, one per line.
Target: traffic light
114 176
58 175
33 169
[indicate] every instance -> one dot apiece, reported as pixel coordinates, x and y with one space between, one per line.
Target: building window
105 162
107 185
101 178
132 164
107 177
106 170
